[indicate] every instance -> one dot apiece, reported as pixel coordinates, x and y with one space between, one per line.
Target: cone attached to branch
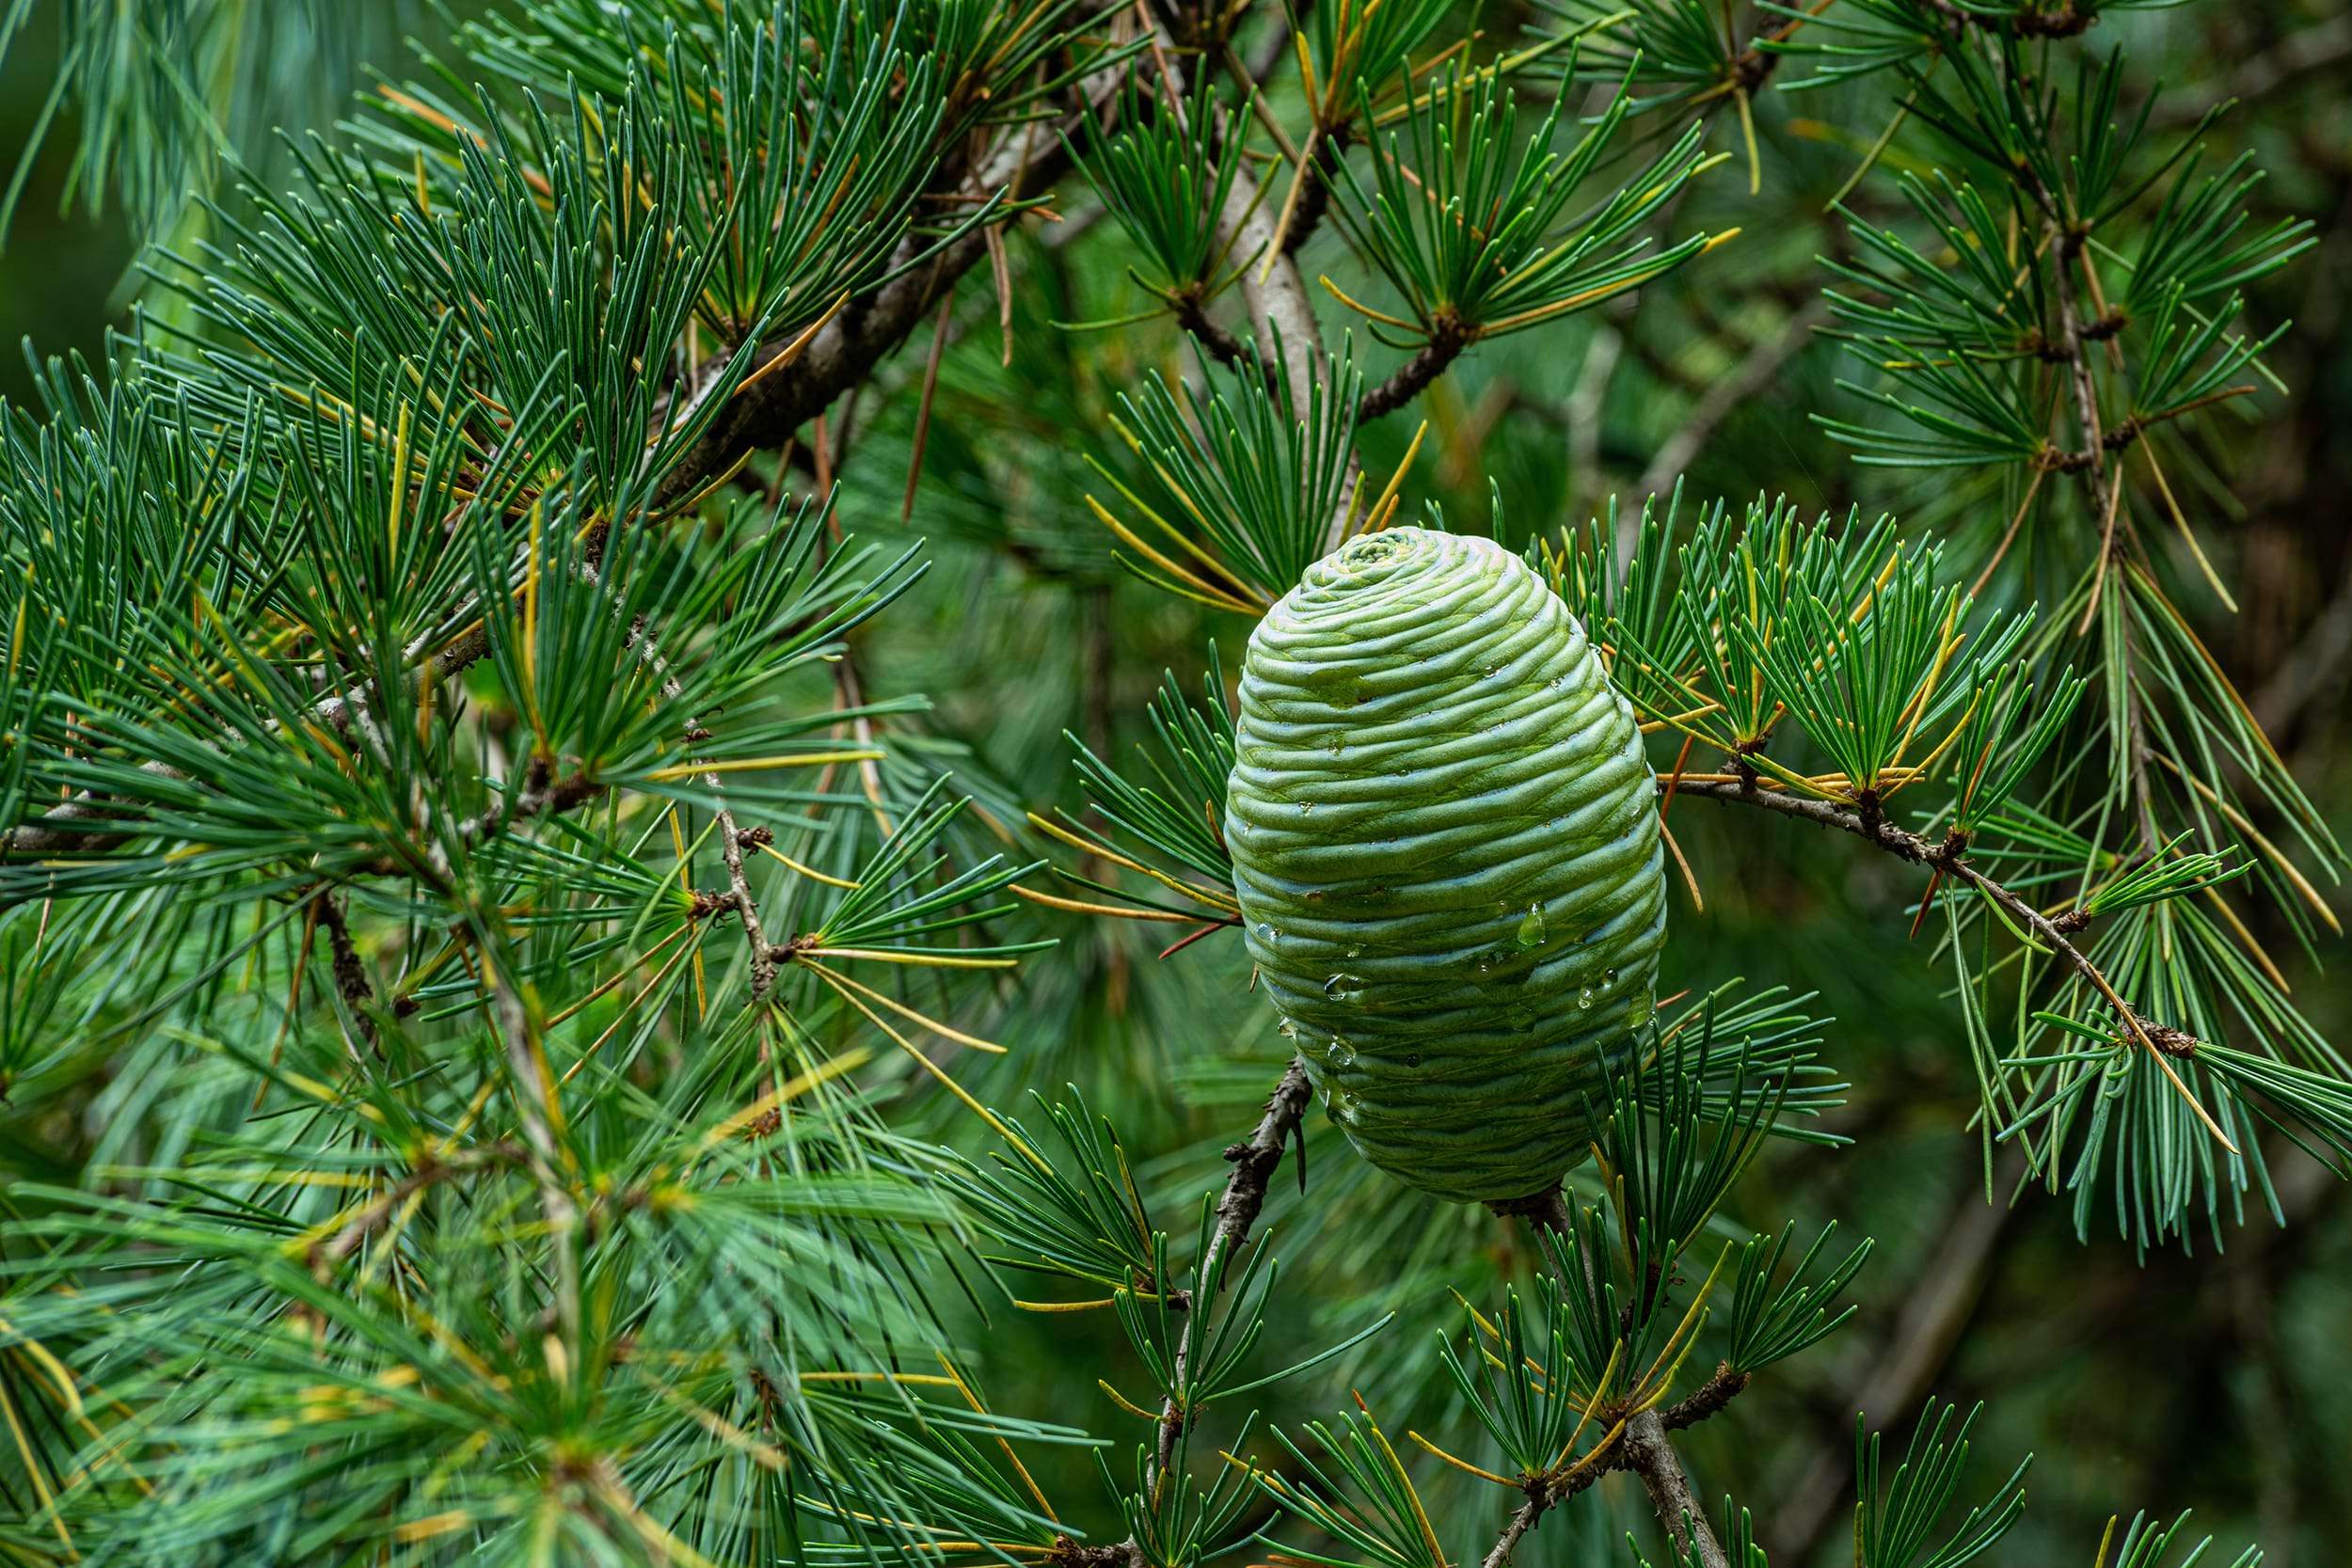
1445 844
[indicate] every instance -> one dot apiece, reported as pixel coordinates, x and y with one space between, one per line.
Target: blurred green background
2221 1380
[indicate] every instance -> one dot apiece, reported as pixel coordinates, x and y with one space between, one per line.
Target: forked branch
1949 858
1641 1449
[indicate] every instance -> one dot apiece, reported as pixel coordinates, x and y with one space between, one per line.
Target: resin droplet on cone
1445 842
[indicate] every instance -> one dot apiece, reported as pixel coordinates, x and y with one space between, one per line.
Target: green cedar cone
1445 842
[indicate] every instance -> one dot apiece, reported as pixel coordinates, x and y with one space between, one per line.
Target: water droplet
1305 807
1337 744
1413 1060
1344 1107
1521 1018
1490 672
1531 926
1585 997
1354 948
1288 1030
1343 987
1608 976
1265 931
1339 1056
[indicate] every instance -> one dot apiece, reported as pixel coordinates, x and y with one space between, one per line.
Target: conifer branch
1708 1399
1542 1496
538 1112
770 408
351 974
1444 346
1277 304
1645 1450
1966 1247
733 838
1254 1160
1641 1448
70 827
2105 501
543 794
430 1168
1949 858
2072 349
476 313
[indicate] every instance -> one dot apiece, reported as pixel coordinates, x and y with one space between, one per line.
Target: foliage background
2221 1383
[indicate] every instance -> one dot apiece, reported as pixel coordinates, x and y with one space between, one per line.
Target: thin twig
351 974
1707 1399
547 794
1444 346
70 827
2077 362
1950 858
537 1109
1192 314
848 348
1640 1448
1255 1160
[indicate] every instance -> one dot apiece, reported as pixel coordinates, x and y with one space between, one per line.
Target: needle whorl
1446 847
